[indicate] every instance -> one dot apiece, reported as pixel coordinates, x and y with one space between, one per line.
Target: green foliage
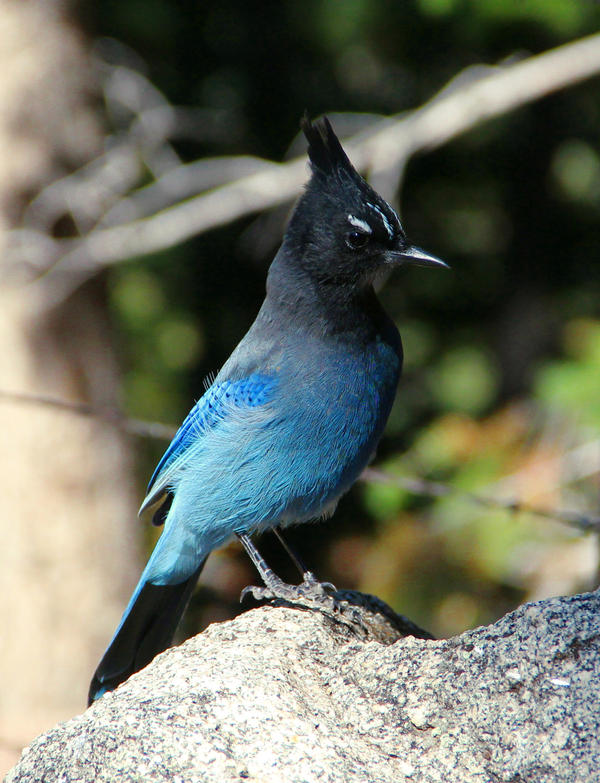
164 344
510 453
576 172
464 380
571 386
560 16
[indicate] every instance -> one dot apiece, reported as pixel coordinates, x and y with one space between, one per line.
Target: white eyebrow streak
386 223
358 223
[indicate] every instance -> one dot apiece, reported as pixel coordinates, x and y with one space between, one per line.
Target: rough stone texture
285 695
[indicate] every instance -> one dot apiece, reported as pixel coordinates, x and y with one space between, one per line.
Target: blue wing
211 408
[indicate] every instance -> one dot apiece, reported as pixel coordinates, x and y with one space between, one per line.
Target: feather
324 149
211 408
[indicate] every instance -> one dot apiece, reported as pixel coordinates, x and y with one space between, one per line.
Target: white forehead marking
358 223
386 223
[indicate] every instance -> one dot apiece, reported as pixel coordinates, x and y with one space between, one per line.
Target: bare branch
87 192
182 182
469 100
457 109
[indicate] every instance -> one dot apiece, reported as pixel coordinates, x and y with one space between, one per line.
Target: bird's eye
357 239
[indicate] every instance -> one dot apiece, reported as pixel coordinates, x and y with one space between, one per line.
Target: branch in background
183 182
144 429
382 150
422 487
459 107
436 489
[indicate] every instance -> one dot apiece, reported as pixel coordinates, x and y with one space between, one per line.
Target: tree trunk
70 548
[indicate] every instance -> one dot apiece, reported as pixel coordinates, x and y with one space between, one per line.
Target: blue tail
146 628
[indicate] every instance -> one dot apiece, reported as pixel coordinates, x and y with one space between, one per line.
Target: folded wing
219 401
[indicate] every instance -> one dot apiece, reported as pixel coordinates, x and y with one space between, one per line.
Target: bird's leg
269 577
310 593
294 556
307 575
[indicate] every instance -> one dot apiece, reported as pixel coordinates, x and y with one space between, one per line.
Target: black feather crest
325 152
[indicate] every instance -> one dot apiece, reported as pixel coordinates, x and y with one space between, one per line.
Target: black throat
328 306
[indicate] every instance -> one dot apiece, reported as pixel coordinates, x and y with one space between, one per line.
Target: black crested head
342 232
338 201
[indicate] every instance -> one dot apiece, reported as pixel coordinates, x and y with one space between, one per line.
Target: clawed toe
310 593
312 583
258 593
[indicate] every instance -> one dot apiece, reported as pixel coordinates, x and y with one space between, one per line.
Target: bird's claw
258 593
310 593
310 583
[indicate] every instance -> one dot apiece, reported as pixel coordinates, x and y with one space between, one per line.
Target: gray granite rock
283 695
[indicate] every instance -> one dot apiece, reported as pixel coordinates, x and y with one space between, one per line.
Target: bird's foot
309 590
310 593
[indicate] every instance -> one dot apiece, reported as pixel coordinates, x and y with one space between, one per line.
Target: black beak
414 255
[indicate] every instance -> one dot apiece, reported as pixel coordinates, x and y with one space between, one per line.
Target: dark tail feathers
146 630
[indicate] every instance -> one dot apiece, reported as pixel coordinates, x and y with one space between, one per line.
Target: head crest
325 152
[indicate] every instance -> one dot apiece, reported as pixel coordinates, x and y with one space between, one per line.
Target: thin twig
436 489
139 427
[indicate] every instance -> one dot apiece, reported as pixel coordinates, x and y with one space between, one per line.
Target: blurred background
133 263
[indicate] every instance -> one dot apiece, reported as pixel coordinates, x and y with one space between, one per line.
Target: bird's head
341 228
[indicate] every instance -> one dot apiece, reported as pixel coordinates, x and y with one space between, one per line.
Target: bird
294 415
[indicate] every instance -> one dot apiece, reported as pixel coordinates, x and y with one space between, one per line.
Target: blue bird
294 415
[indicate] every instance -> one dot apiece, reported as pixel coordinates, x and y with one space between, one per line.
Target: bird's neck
327 307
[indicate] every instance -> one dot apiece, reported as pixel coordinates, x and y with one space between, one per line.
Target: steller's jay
294 415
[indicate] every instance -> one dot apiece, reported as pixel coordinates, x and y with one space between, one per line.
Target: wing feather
214 406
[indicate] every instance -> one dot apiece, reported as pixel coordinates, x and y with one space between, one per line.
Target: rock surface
283 695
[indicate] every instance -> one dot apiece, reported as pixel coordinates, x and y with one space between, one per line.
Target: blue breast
336 425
